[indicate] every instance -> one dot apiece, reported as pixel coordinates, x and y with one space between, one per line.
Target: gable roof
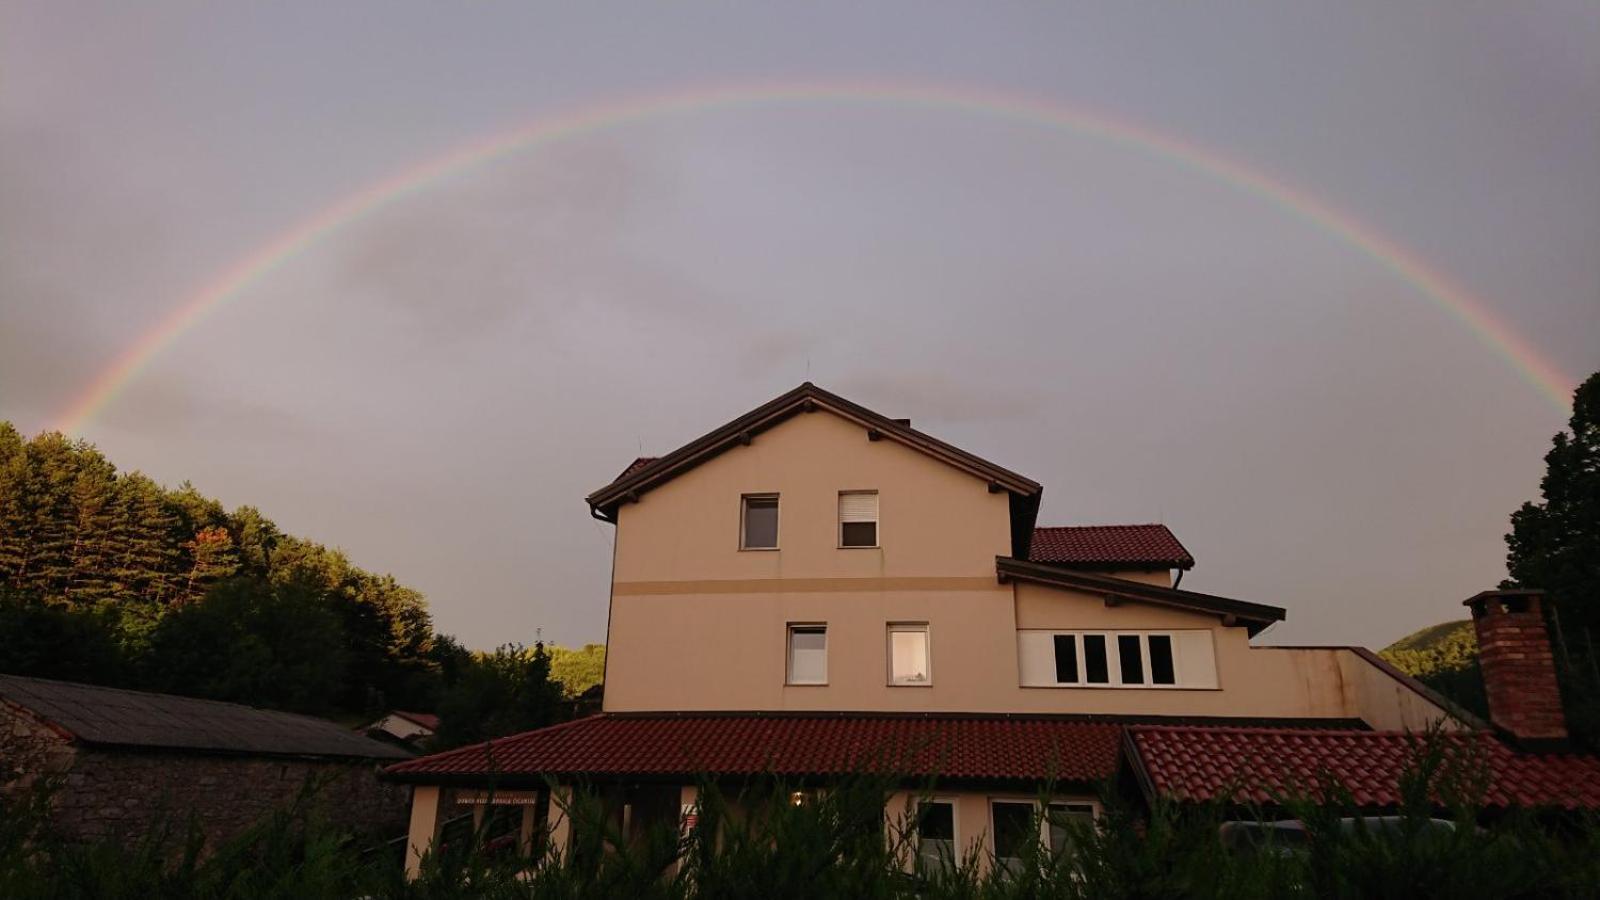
1253 765
111 717
1109 546
647 473
1254 616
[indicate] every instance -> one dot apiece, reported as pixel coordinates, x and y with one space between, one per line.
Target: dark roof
1254 616
987 748
111 717
1251 765
646 473
1109 546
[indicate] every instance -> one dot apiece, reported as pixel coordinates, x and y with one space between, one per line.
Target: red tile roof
426 720
1204 762
953 747
1109 545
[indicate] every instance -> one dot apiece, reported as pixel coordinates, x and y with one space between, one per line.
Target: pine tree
1555 545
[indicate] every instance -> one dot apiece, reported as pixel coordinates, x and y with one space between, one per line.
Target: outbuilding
119 763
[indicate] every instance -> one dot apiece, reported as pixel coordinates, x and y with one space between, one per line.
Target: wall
697 623
105 794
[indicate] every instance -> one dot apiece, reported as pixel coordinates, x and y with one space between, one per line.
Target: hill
1444 657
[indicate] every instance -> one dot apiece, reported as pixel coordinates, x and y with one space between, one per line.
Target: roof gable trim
804 399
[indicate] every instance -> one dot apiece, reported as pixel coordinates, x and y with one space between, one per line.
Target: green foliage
750 841
250 641
109 577
499 693
1445 658
1554 544
579 669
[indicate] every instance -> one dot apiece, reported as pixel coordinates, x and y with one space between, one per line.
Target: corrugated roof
1204 762
114 717
954 747
1109 545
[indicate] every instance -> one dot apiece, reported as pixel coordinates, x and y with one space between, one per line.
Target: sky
435 385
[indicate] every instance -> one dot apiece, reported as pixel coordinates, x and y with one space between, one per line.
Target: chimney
1519 669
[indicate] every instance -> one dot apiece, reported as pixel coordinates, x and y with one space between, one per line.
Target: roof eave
1253 616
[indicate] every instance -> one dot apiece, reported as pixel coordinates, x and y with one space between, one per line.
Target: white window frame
955 828
788 653
1181 680
744 508
877 522
1039 813
927 646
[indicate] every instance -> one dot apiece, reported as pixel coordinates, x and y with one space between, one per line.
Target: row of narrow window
858 520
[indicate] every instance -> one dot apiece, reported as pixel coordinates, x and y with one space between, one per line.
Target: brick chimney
1519 669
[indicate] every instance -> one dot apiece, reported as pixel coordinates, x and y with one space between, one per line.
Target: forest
110 578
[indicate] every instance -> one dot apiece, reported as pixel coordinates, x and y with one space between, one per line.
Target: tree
1554 544
42 640
578 670
504 692
248 641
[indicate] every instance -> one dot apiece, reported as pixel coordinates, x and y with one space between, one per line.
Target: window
1095 670
1161 668
758 522
1014 827
808 654
1117 659
858 518
1064 824
1020 829
908 655
936 837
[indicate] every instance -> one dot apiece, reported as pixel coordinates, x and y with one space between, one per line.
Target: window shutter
858 507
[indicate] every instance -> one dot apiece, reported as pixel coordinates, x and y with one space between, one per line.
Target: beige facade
697 624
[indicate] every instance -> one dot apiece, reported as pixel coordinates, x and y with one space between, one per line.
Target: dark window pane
1066 659
858 534
1132 662
936 821
760 522
1161 660
1013 828
1095 668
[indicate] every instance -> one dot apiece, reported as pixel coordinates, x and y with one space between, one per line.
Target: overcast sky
434 388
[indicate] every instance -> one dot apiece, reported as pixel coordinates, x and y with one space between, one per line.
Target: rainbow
233 281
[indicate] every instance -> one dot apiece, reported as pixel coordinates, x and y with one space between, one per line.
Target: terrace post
558 819
426 800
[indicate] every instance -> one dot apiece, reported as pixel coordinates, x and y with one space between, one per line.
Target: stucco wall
110 794
934 520
697 624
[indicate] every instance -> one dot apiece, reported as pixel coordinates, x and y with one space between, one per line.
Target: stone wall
29 749
122 794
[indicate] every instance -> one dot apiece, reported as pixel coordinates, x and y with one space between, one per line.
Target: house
123 762
412 729
814 587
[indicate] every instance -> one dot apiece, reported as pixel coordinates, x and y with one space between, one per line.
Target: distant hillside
1436 636
1444 657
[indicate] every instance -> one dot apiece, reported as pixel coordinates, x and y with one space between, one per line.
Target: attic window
758 522
858 518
